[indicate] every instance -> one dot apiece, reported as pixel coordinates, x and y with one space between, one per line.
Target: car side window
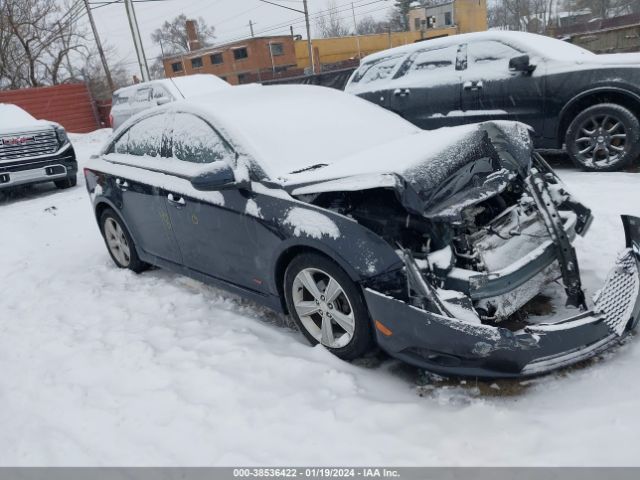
195 141
430 65
142 139
143 95
160 92
490 54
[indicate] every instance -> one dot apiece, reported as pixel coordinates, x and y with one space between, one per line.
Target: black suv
572 98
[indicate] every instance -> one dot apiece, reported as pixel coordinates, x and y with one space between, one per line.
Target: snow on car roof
181 87
12 116
542 45
293 127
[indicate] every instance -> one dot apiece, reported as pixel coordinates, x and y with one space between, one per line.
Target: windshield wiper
312 167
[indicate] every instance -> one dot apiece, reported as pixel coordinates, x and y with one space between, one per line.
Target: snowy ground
100 366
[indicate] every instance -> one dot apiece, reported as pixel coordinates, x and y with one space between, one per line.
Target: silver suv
34 151
128 101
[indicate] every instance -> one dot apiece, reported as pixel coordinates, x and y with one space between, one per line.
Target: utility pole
309 44
355 30
251 28
103 58
137 41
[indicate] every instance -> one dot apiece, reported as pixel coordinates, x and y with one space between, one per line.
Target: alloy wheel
602 140
117 242
323 307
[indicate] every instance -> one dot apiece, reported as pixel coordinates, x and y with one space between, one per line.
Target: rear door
136 187
490 91
426 88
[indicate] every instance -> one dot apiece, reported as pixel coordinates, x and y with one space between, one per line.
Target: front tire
327 306
119 242
603 138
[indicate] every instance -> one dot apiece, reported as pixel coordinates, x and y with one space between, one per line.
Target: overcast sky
229 17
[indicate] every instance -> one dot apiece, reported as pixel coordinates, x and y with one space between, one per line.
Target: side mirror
220 177
162 101
521 64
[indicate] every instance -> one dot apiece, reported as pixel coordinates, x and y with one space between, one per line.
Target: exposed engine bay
480 229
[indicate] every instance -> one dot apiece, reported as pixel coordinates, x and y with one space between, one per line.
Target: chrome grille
616 299
34 144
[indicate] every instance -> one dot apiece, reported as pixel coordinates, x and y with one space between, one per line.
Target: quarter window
195 141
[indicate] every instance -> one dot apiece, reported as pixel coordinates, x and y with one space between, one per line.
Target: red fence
70 105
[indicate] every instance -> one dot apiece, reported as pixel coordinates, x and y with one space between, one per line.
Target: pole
137 41
309 45
355 30
103 58
251 28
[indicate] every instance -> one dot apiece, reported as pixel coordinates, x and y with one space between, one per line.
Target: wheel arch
285 257
618 96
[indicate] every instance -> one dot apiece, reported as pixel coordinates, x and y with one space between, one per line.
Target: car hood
441 168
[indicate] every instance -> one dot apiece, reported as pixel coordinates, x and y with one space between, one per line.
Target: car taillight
110 121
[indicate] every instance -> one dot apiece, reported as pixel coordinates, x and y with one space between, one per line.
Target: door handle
122 184
473 86
402 92
175 200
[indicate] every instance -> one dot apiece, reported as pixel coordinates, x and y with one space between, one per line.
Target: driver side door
490 91
215 230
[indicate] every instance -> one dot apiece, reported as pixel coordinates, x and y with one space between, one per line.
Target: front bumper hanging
452 346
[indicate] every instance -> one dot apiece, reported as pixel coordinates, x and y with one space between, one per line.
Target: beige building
462 15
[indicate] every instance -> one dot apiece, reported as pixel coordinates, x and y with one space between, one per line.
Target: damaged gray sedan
367 230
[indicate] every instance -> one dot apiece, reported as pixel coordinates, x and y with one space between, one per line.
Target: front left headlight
62 135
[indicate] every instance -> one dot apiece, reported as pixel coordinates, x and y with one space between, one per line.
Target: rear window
377 70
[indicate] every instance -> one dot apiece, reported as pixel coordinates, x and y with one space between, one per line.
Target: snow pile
104 367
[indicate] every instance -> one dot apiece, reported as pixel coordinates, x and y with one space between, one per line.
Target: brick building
254 59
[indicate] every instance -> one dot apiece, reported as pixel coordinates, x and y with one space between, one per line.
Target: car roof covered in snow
181 87
541 45
292 127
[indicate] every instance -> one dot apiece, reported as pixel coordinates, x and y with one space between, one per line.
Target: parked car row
569 96
423 243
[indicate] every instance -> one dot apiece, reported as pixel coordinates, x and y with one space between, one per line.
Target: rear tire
68 182
119 242
327 306
603 138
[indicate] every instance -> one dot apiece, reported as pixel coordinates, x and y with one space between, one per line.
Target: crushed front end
491 238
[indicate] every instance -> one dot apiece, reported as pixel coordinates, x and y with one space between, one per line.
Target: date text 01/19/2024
315 472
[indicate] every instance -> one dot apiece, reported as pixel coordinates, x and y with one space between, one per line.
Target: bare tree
369 25
93 73
36 39
330 24
172 35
